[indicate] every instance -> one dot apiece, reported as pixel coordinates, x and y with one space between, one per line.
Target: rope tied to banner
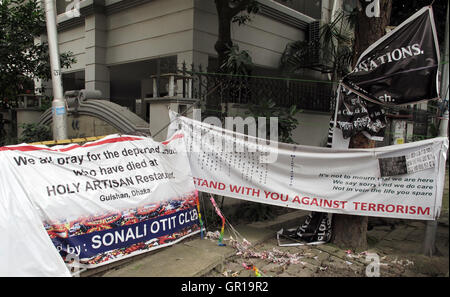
199 215
219 213
246 249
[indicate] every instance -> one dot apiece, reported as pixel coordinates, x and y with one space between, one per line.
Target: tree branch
240 6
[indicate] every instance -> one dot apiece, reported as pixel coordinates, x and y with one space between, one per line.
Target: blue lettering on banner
91 244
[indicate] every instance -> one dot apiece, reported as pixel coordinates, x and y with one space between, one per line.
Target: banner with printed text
401 181
402 67
106 200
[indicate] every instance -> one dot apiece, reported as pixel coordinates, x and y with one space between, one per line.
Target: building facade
119 45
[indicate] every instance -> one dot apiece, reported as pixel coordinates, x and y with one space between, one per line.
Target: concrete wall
159 114
26 116
113 48
88 126
77 126
73 41
187 28
264 38
155 29
312 129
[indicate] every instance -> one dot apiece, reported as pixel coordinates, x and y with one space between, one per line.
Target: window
73 81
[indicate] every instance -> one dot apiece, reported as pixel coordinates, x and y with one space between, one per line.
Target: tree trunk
351 231
224 42
369 30
226 11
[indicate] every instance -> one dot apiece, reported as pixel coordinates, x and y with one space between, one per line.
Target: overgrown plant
232 12
334 49
237 61
35 133
287 121
46 103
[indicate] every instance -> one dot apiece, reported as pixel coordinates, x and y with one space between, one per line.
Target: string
224 220
219 213
277 77
204 211
199 215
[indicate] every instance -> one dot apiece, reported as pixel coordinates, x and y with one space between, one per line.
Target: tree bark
351 231
224 41
369 30
226 11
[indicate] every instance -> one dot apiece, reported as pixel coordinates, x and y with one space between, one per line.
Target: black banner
356 115
402 67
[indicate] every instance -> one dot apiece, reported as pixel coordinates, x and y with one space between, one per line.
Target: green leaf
21 60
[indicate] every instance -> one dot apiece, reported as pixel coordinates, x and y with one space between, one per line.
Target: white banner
100 202
25 247
401 181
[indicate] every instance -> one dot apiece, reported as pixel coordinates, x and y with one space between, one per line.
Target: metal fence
216 88
308 95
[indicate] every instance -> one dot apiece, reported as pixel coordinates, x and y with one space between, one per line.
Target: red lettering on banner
391 208
425 211
222 187
363 206
314 202
319 202
235 189
327 203
209 184
296 199
305 199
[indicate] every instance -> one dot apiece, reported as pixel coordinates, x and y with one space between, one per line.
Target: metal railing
216 88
